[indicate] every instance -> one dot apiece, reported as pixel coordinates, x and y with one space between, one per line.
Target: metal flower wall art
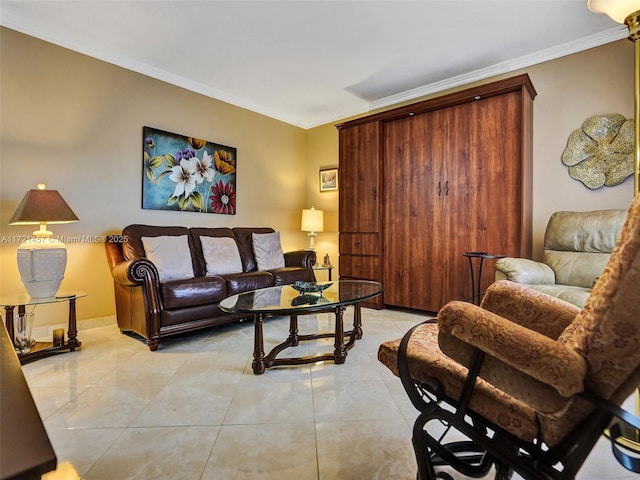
187 174
601 152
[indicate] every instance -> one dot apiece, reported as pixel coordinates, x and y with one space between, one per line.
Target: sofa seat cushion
193 291
243 282
289 275
569 293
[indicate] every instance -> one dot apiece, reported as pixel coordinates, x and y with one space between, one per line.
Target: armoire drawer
360 266
360 243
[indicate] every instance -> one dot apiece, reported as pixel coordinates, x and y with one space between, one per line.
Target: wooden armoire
422 184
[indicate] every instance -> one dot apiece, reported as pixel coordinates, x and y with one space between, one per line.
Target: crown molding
508 66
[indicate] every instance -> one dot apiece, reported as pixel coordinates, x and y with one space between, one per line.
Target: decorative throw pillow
171 256
221 255
268 250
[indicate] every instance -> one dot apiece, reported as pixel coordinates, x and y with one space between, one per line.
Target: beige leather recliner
577 246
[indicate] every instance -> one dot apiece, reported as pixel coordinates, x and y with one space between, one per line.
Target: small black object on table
476 294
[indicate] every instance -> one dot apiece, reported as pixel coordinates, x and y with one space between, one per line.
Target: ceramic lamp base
41 263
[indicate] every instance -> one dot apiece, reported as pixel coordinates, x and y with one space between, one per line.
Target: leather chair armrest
300 258
527 307
523 270
528 352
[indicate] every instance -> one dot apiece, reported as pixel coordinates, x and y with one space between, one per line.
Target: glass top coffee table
285 300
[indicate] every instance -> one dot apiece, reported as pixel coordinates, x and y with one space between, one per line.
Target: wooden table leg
357 321
73 329
8 321
293 330
258 345
340 352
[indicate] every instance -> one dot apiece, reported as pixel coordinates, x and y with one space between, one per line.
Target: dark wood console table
26 451
43 349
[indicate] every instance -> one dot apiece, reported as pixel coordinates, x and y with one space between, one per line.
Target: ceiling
311 62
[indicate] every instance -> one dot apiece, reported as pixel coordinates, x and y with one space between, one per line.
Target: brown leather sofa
155 308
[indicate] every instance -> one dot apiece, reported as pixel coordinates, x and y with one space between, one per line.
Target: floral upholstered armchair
531 381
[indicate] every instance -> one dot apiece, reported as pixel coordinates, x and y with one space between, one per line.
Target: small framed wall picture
328 179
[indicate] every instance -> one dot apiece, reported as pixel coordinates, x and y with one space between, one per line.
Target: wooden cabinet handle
357 244
375 192
439 187
357 265
446 188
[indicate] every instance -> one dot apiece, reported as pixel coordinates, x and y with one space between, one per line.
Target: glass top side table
43 349
476 293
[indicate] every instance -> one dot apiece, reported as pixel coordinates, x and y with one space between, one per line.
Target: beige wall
570 90
75 123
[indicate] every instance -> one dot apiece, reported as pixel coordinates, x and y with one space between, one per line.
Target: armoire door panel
413 202
359 179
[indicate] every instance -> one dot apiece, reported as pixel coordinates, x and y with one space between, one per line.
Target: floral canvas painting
187 174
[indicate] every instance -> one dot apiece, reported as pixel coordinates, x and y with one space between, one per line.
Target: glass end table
43 349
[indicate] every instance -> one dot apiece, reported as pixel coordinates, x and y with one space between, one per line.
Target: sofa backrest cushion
245 245
577 245
595 231
221 255
133 248
198 254
171 256
267 250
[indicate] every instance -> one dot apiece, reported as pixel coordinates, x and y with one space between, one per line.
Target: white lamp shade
618 10
41 264
312 220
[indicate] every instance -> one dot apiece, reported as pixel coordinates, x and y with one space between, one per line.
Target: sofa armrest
530 308
528 352
523 270
300 258
131 273
137 292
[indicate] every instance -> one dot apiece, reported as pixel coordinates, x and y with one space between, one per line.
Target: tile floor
195 410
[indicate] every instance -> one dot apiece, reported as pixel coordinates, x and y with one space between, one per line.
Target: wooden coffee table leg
293 331
258 345
340 352
357 321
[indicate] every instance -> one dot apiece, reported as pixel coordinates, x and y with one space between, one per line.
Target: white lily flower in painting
185 177
203 168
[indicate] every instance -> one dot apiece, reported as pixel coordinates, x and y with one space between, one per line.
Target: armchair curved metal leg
465 456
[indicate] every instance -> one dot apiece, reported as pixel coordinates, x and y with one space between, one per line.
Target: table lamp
312 222
42 260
